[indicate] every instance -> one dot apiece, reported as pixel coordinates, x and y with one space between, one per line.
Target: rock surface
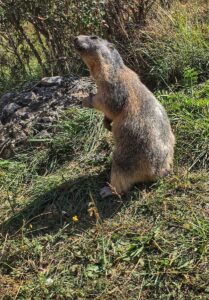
32 112
49 81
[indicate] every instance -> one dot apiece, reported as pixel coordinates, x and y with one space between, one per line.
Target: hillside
59 240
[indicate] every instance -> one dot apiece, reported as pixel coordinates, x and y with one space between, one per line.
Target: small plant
190 78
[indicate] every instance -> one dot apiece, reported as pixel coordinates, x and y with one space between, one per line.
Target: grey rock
53 103
22 113
58 94
49 81
45 120
6 99
7 96
43 134
34 112
26 98
8 111
21 137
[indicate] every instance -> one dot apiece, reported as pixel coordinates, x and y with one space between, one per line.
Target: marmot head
98 54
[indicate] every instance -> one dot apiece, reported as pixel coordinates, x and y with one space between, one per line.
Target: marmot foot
106 192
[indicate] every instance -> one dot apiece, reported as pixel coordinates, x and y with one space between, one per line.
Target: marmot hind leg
120 182
125 173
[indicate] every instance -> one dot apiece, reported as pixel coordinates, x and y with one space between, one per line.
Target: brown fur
144 141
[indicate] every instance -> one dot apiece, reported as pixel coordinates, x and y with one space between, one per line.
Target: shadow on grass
50 211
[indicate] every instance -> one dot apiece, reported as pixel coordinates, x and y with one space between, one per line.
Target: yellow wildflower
75 218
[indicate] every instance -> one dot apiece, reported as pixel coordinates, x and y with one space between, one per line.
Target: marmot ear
111 46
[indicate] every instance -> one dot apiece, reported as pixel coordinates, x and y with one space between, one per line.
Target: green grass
188 110
15 83
151 244
176 40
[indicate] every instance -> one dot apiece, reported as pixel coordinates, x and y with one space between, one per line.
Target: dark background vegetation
157 38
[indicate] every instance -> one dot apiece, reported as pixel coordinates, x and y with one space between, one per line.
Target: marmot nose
76 43
76 40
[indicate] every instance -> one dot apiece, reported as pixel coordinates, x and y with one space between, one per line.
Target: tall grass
188 110
172 41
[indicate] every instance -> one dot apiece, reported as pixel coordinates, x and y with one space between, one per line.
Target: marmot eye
93 37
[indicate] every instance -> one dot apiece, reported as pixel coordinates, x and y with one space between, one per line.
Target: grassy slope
152 244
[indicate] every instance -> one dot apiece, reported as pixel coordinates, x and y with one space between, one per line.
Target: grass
59 240
173 39
15 83
189 113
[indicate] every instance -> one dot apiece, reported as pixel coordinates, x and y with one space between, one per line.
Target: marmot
144 142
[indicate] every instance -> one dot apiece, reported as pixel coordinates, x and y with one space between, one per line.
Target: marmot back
144 142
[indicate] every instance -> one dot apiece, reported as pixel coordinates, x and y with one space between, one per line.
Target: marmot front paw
107 123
